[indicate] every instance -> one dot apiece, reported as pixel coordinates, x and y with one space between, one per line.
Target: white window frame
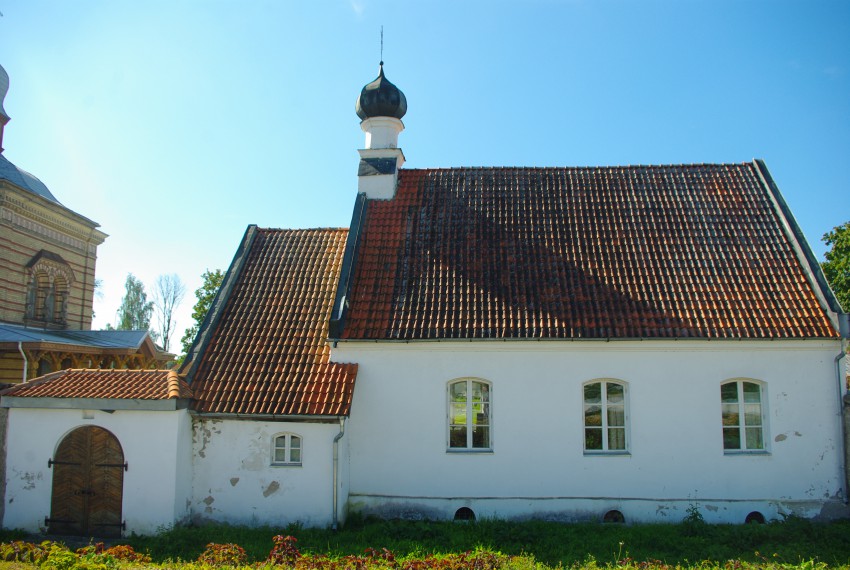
287 449
470 423
742 426
604 427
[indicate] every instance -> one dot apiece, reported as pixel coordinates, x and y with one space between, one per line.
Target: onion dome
381 99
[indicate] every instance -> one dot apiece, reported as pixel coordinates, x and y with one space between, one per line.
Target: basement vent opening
754 517
613 517
464 514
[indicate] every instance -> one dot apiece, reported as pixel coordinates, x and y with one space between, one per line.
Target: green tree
837 264
135 311
205 295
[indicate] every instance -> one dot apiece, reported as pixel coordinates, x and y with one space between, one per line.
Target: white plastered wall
235 481
400 465
154 445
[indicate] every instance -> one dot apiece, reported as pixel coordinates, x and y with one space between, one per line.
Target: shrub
20 551
223 555
284 552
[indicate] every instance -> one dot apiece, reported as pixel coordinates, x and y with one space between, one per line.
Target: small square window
286 449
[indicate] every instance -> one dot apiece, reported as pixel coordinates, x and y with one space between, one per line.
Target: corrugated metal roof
94 339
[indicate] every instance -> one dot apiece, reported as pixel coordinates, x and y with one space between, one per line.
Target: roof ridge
579 167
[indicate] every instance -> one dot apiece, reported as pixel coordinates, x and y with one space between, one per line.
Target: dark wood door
88 484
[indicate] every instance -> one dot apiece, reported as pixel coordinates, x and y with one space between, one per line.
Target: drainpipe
843 418
336 468
24 356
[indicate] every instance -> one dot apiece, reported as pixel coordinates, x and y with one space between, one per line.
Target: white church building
567 343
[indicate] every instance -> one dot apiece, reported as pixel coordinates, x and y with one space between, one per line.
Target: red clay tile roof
268 353
116 384
607 252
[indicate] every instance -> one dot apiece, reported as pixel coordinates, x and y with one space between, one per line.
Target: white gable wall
400 465
235 481
154 445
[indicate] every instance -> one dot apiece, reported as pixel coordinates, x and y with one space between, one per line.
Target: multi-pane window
604 416
286 449
743 417
469 415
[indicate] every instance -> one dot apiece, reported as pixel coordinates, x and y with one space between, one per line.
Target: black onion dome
381 99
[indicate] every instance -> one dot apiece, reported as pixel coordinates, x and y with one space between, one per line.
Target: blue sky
175 124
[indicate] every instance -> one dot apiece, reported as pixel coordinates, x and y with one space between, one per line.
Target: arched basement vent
464 514
755 517
613 517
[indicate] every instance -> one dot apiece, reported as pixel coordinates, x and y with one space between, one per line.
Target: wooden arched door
88 484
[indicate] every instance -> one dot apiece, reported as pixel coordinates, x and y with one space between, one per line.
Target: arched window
49 288
41 282
469 415
742 412
286 449
605 416
60 299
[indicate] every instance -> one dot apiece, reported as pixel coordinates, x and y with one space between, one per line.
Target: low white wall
235 482
400 466
152 447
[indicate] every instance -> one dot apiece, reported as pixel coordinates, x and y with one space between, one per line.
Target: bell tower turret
380 106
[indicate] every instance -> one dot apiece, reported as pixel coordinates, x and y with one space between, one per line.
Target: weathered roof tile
610 252
269 353
105 383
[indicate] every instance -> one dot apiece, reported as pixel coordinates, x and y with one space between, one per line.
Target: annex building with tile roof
576 344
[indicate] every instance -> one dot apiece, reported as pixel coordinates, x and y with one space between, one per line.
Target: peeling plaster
271 489
209 500
29 478
784 436
233 481
204 431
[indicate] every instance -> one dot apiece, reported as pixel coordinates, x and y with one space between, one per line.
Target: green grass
791 541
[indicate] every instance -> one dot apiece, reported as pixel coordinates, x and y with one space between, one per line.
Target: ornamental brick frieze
24 214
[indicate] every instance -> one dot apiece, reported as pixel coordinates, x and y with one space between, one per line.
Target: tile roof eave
613 339
804 252
104 404
300 418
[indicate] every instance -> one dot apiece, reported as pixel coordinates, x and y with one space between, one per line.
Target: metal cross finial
382 45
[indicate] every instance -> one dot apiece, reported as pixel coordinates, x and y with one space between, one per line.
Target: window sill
464 451
733 452
285 465
593 453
